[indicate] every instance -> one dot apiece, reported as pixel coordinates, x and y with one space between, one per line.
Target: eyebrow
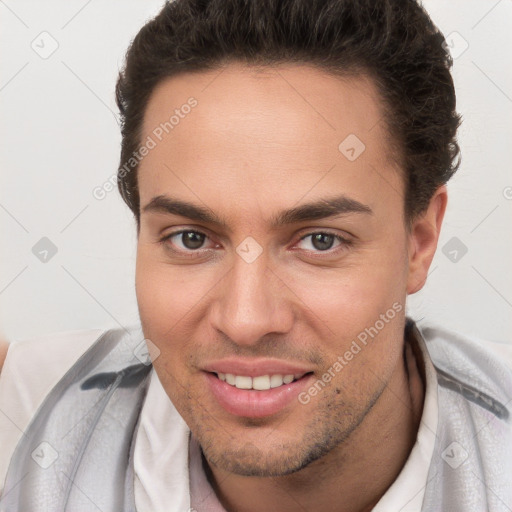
321 209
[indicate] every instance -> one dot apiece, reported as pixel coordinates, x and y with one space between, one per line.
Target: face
272 250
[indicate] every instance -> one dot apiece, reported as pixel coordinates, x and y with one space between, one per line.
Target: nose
251 302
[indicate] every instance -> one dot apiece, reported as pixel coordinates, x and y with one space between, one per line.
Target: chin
270 461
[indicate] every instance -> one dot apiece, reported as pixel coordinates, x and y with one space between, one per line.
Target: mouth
260 382
258 396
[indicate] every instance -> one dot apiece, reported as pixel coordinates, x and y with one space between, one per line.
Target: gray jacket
76 454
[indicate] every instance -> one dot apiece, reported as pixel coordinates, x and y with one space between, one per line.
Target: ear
423 237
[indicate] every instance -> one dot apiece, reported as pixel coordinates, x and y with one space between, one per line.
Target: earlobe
423 238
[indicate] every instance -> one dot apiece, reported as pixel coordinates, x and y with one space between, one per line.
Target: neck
354 476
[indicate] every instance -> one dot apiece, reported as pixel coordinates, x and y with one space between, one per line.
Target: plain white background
60 139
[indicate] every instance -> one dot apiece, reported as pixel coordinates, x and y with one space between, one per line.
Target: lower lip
251 403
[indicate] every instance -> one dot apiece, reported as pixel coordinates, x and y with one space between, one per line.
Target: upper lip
255 367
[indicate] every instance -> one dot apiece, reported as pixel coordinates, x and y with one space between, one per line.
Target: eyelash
344 242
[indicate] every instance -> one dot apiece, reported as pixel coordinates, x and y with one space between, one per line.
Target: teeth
243 382
276 381
260 383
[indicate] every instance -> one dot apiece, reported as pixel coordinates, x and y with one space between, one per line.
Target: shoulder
479 364
449 341
31 368
65 338
53 350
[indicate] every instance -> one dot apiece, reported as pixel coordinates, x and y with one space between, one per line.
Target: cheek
362 302
163 293
351 298
162 305
153 293
171 303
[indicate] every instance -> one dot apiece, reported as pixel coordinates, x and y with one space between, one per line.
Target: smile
260 382
258 396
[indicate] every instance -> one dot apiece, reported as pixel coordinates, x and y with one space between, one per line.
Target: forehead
291 129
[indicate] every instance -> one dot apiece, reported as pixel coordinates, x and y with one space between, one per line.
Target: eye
323 241
187 240
191 242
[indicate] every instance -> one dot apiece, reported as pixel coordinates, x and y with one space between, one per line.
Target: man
286 165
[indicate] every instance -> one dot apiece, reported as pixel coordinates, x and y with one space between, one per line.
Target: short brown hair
394 41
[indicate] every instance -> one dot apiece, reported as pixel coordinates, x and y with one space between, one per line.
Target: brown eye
322 241
192 239
184 240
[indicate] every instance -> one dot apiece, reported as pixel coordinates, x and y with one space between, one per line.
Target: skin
261 141
4 346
